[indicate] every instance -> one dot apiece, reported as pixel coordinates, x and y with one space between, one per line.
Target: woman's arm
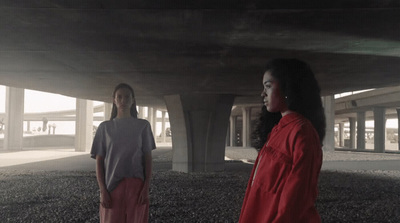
144 195
105 198
300 191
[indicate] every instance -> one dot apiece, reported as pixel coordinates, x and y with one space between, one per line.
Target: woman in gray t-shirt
122 148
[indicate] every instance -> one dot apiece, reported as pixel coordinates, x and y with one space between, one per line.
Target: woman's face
272 96
123 99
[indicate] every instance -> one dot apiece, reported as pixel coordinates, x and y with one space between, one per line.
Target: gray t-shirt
122 143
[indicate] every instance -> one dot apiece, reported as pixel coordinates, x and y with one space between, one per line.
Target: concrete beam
385 97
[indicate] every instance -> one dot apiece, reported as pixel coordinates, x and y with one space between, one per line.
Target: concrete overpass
377 105
194 59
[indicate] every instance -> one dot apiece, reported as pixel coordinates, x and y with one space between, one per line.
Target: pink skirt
124 204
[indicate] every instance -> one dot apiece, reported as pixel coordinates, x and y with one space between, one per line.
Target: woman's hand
144 194
105 199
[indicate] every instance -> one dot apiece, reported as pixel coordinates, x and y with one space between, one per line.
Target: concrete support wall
199 124
379 129
84 125
329 108
352 133
14 120
361 130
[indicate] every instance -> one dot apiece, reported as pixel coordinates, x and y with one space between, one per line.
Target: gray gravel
72 196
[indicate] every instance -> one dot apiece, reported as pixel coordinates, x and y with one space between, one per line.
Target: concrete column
352 132
232 130
329 108
246 127
398 127
154 124
14 119
141 112
379 129
150 116
249 127
107 110
83 125
199 124
163 126
361 130
341 134
228 134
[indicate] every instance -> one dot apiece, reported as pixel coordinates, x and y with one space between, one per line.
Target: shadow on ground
72 196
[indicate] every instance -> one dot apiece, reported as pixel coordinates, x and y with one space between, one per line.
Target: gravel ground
72 196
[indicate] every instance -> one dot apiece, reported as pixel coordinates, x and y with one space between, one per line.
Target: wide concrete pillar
83 125
14 119
361 130
341 134
199 124
246 129
232 130
107 110
379 129
329 108
398 127
352 122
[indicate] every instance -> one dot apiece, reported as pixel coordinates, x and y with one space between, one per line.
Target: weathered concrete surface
199 124
84 48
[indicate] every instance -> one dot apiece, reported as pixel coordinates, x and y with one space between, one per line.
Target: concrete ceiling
83 48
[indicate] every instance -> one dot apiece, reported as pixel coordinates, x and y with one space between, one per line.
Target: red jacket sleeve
301 188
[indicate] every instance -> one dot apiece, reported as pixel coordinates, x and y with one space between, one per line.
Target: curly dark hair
302 92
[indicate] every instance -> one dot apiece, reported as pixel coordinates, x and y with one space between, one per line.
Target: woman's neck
283 113
123 114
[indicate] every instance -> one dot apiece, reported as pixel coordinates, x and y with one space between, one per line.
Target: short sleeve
98 146
148 143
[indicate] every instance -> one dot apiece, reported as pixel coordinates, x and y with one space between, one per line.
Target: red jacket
283 183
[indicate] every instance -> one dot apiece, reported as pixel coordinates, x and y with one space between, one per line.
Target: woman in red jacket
283 183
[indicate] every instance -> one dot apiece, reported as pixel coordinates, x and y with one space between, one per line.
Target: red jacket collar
285 120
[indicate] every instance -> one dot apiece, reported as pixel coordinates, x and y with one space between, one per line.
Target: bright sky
37 101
